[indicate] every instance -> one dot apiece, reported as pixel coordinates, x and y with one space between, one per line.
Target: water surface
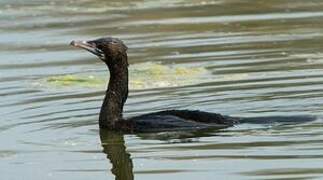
241 58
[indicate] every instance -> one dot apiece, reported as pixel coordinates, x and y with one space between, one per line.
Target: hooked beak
91 47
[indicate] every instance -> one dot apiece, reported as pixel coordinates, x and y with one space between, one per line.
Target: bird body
113 53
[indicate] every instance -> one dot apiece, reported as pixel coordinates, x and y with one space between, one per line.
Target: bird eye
99 46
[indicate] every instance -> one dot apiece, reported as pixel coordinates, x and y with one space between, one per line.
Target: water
254 58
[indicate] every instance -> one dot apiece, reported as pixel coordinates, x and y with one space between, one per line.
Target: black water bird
113 52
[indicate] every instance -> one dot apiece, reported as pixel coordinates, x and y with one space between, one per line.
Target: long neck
116 94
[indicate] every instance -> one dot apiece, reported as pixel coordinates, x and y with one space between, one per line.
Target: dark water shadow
114 147
185 136
297 119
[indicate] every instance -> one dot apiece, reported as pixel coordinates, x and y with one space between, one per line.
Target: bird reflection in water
113 142
114 146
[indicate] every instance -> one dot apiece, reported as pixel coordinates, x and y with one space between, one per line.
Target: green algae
141 76
74 80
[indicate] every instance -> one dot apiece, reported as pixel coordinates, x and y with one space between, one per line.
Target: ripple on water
242 58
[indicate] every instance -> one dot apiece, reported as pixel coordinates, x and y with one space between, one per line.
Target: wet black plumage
113 53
